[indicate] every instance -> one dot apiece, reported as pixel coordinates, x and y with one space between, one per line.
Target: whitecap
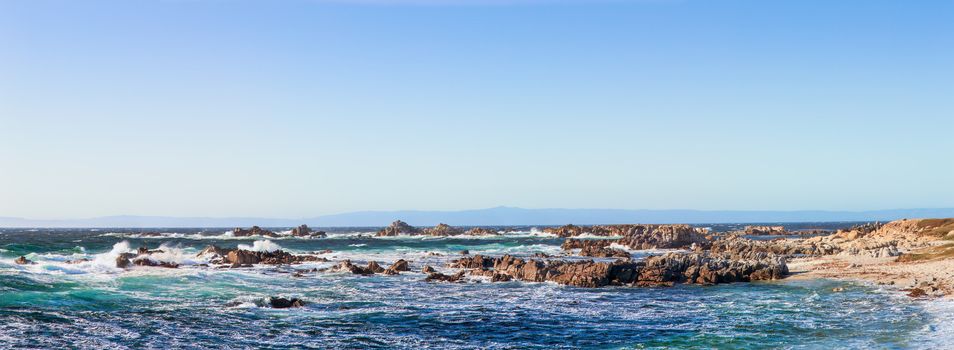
261 246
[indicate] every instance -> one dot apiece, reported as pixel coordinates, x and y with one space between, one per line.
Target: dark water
53 304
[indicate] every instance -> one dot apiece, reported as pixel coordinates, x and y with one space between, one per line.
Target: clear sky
294 108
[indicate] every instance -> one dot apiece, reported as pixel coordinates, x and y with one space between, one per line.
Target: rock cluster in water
703 258
300 231
401 228
764 230
660 270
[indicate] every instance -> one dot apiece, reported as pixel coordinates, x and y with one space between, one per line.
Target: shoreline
926 280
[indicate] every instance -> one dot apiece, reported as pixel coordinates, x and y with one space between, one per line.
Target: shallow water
94 305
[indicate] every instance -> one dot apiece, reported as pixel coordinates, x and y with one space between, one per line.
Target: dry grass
937 227
933 253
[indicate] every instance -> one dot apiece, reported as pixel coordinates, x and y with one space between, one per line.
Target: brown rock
254 231
428 269
443 230
242 257
123 260
374 267
440 277
480 231
355 269
22 260
400 265
398 228
602 252
917 293
305 231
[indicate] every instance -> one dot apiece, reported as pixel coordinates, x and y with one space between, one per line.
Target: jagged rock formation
239 257
742 248
437 276
305 231
443 229
658 270
661 231
480 231
397 267
603 252
254 231
347 266
637 237
398 228
764 230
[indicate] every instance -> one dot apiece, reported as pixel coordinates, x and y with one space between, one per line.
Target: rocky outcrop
427 269
442 229
654 271
707 269
347 266
283 303
603 252
240 257
305 231
146 261
374 267
124 260
401 228
663 232
764 230
743 248
637 237
254 231
397 267
480 231
22 260
398 228
440 277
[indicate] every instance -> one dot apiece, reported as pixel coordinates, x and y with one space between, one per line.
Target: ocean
95 305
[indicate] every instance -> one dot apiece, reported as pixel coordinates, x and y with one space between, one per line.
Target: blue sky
301 108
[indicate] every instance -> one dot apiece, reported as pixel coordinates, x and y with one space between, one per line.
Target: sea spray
108 259
261 246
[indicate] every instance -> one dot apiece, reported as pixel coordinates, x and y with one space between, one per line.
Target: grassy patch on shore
937 227
933 253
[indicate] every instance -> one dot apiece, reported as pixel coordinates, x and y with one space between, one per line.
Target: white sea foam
174 254
108 259
261 246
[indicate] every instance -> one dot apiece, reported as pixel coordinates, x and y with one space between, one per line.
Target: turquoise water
92 305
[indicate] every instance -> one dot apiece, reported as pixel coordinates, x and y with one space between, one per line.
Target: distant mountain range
497 216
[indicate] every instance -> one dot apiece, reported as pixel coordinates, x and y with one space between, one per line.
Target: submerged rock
22 260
